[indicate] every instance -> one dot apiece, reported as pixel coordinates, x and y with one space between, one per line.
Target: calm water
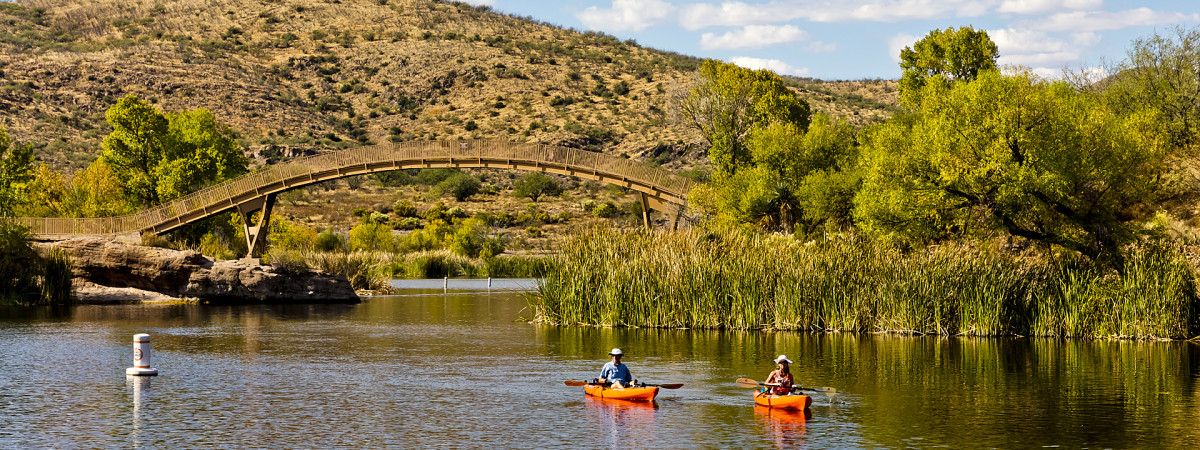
463 369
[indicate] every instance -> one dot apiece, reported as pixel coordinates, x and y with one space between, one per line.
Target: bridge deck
661 189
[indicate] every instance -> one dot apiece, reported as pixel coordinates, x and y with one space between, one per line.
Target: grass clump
27 278
735 280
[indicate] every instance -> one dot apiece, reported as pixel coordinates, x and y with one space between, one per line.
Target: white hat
783 359
615 352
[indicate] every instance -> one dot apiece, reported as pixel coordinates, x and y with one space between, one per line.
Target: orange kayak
641 394
782 401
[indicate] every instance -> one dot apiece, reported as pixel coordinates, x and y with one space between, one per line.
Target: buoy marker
141 357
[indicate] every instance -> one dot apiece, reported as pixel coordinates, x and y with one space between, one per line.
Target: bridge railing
224 195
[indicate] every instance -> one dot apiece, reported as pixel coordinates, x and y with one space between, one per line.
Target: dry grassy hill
292 76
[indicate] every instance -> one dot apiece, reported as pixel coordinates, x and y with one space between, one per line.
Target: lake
462 367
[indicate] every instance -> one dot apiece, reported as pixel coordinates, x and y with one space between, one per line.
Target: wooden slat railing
224 196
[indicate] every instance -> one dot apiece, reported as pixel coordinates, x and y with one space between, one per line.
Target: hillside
292 77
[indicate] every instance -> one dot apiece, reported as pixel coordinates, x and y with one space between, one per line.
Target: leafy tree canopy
1015 154
794 177
1162 74
536 184
728 102
460 185
953 54
160 157
16 172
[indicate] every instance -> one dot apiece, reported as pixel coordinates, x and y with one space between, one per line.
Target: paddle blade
670 386
575 383
747 383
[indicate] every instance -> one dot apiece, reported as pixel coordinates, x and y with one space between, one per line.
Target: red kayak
640 394
799 401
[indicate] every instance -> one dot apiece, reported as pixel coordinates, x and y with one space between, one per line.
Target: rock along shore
109 271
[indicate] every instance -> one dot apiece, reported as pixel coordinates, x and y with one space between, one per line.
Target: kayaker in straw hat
781 378
614 372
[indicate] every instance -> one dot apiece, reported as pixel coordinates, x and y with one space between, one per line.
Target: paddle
749 383
664 386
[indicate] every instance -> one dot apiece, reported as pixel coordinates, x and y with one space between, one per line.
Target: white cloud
1033 48
1044 6
1086 39
626 15
898 42
753 36
1080 21
773 65
738 13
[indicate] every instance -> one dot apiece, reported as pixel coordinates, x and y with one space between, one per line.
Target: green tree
953 54
1162 74
460 185
793 176
1032 158
536 184
16 172
728 102
371 236
160 157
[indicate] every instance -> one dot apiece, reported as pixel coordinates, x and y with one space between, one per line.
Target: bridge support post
256 232
675 218
645 209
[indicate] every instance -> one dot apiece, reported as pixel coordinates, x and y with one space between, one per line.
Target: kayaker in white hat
614 372
781 379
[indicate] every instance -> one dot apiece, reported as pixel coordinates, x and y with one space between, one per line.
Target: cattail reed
742 280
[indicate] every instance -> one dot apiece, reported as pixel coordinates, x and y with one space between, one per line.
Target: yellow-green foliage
371 236
289 235
752 281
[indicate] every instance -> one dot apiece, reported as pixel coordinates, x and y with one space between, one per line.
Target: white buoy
141 357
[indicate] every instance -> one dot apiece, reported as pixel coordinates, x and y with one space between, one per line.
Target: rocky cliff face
109 270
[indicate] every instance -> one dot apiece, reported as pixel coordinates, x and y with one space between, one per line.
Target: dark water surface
463 369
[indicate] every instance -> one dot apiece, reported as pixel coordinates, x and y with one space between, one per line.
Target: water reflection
142 390
785 427
461 369
622 423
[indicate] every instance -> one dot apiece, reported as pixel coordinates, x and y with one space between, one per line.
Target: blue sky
855 39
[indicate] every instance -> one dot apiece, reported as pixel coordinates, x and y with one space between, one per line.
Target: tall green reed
746 280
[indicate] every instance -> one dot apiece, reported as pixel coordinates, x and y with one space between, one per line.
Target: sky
862 39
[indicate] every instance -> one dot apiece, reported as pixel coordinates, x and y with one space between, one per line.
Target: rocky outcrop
107 269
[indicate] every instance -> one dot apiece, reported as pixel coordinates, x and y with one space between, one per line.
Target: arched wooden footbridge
658 189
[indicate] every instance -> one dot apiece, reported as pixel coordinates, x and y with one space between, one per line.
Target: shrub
288 262
328 241
409 223
431 177
588 205
371 236
468 239
375 218
533 232
461 186
436 212
150 239
404 208
536 184
606 210
288 235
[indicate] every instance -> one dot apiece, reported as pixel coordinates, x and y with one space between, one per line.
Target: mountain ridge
293 78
